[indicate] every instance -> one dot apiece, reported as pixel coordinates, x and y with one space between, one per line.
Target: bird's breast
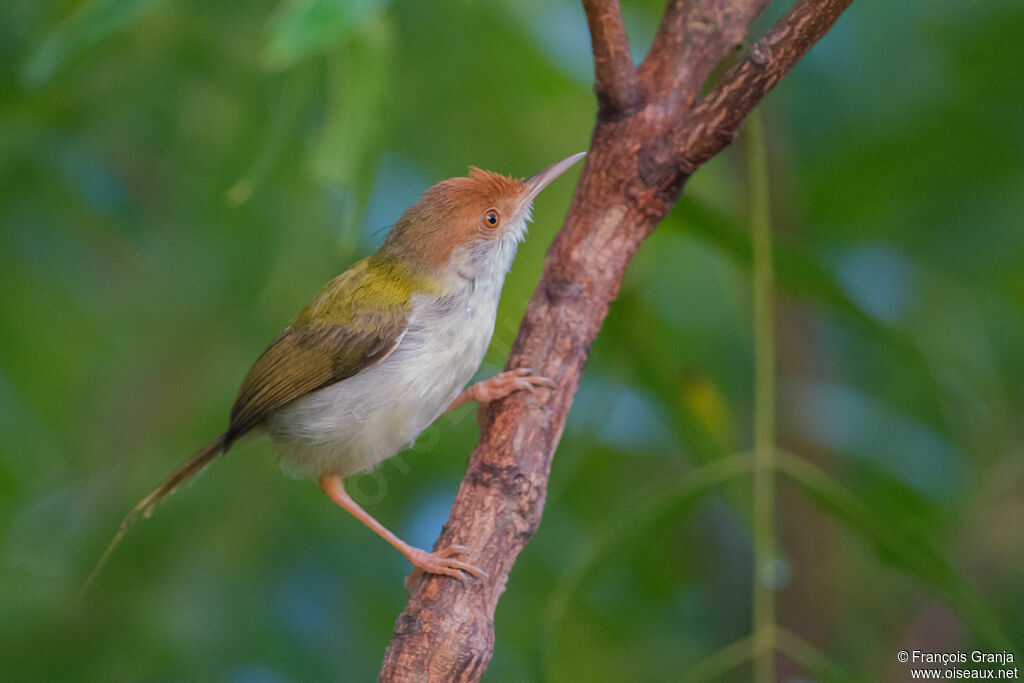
448 336
358 422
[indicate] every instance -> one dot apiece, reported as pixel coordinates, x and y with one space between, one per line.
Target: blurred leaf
625 524
881 490
733 655
797 270
801 273
820 666
82 29
357 80
285 112
718 663
300 28
903 546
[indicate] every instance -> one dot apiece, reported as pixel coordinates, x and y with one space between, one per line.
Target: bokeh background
178 179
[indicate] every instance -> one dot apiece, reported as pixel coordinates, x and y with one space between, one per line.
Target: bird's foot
439 562
508 382
499 386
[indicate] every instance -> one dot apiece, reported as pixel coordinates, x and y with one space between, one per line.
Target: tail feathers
144 509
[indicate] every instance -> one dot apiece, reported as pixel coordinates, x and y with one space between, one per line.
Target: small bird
385 349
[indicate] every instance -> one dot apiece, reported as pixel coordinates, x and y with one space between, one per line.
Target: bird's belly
356 423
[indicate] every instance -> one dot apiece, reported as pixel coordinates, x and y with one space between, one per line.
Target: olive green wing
302 361
310 356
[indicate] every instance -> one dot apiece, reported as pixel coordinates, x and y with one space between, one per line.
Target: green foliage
178 179
304 28
81 30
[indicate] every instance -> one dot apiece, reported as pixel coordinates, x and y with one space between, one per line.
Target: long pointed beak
538 181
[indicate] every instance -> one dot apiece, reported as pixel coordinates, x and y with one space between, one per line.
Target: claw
442 563
500 386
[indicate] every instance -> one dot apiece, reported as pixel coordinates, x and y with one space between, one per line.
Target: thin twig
694 36
715 120
614 71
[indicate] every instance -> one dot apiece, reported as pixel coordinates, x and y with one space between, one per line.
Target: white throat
479 267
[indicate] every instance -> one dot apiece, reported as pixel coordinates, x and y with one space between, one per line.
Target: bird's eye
491 218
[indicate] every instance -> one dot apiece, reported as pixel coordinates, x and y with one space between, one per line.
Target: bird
384 349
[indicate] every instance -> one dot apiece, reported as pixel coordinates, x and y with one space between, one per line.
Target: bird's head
470 225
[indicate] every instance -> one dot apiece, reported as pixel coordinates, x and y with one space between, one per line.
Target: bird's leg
439 562
499 386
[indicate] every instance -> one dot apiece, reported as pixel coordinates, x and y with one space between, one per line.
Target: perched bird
385 349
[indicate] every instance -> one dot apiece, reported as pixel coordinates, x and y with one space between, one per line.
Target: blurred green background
178 179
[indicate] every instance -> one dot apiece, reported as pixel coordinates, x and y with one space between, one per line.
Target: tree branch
715 120
614 71
694 36
636 168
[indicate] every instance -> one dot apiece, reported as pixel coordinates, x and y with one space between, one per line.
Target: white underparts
356 423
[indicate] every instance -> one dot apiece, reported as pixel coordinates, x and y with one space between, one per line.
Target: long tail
185 471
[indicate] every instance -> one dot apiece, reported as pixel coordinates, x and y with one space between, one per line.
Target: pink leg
500 386
439 562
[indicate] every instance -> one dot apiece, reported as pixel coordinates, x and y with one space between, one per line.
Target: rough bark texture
652 132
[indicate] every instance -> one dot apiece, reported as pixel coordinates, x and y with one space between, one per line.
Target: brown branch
694 36
715 120
614 72
633 175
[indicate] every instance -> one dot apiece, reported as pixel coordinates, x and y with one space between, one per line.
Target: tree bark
652 132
